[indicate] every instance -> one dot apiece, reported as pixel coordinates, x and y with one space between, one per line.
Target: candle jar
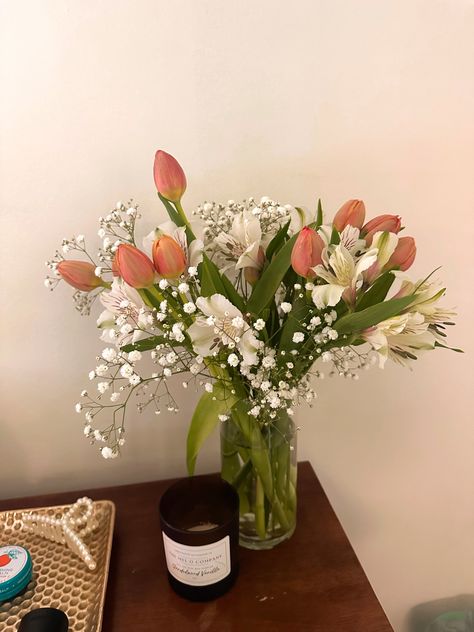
200 527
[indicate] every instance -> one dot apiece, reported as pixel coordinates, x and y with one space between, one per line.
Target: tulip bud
135 268
168 256
306 252
404 254
351 213
80 274
252 274
169 176
381 223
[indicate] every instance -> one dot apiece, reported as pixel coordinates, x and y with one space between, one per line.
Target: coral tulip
351 213
306 252
80 274
169 176
404 254
135 268
169 257
384 223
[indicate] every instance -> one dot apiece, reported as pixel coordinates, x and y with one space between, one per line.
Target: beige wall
330 98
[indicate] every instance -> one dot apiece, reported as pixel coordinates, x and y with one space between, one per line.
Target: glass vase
260 462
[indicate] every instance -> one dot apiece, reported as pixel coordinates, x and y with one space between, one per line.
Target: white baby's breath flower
102 387
87 430
189 308
114 397
126 370
326 356
183 288
167 372
108 453
91 375
268 362
163 284
78 407
298 336
233 360
286 307
255 411
259 324
192 271
134 356
109 354
208 387
223 418
134 379
101 370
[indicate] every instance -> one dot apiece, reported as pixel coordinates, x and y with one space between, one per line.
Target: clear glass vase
260 462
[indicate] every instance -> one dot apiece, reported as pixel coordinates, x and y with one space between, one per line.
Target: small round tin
16 570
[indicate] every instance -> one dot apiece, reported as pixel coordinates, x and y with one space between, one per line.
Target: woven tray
60 579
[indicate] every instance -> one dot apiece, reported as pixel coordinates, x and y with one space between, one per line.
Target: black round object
44 620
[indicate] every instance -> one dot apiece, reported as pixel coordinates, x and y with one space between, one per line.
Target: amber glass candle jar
200 527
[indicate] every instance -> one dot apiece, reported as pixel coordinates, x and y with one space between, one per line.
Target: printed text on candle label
198 565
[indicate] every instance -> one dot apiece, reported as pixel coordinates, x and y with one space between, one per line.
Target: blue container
16 570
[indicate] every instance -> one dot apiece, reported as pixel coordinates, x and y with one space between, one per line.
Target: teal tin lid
16 570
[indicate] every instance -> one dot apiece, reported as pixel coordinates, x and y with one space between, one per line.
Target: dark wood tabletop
313 582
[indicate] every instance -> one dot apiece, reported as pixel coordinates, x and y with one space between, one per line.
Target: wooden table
313 582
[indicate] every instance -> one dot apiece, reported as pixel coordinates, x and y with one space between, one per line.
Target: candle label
198 565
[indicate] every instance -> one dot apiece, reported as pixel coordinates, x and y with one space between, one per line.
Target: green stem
185 219
260 509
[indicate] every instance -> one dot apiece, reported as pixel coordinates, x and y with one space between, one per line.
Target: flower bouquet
247 301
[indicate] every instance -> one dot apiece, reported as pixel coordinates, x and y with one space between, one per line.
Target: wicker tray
60 579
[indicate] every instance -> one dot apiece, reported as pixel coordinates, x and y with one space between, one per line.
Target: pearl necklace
78 522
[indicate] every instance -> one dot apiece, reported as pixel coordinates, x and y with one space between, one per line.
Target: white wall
330 98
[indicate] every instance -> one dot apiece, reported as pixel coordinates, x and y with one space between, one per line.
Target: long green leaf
211 282
232 294
277 241
358 321
172 212
205 419
378 291
319 216
146 344
266 287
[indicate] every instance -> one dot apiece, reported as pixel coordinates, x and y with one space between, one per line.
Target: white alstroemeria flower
342 271
424 302
242 242
193 251
385 243
398 337
125 302
222 324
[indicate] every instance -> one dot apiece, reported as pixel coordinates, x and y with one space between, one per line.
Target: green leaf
172 212
232 294
205 419
266 287
335 237
358 321
277 242
378 291
211 282
146 344
319 216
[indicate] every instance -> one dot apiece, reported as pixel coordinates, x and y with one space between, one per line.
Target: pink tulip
306 252
169 258
389 223
351 213
79 274
403 255
135 268
169 176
